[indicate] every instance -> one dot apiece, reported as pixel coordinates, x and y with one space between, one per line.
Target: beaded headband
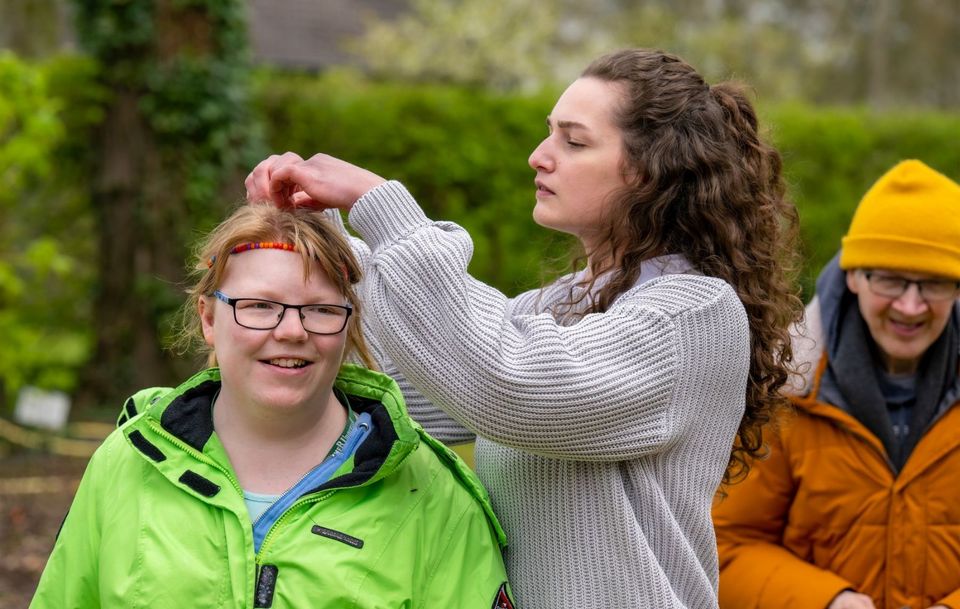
269 245
260 245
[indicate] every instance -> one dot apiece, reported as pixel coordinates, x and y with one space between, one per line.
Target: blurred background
127 127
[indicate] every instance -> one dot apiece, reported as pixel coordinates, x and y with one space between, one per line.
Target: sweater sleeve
437 423
756 570
598 389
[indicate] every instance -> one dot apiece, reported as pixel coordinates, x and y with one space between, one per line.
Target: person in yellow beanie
857 505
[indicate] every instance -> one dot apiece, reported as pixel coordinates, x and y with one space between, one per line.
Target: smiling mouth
288 362
906 327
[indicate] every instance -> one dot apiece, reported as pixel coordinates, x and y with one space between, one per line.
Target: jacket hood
833 296
186 414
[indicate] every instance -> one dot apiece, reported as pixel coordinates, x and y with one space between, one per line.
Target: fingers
322 181
849 599
302 199
258 181
295 184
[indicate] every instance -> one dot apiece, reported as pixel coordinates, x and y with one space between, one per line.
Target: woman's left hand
321 181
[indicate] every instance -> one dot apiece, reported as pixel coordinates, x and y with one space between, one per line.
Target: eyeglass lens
893 286
266 315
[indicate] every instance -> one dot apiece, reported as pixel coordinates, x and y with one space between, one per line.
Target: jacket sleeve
70 577
437 423
469 571
756 570
601 389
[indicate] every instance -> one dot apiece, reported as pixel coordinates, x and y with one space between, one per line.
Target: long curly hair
702 183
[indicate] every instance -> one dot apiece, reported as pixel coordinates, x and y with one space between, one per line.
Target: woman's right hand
321 181
848 599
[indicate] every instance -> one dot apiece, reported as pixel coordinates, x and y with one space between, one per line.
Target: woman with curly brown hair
610 405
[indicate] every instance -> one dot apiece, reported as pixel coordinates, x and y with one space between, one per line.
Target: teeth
289 363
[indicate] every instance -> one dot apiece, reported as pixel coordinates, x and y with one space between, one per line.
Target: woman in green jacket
283 478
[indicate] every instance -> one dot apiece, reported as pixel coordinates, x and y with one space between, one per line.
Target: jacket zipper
303 501
195 453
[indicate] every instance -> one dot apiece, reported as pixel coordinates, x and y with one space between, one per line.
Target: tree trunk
139 202
127 354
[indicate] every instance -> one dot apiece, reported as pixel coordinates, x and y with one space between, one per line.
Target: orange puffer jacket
825 512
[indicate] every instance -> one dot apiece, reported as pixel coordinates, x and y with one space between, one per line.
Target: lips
906 328
287 362
542 189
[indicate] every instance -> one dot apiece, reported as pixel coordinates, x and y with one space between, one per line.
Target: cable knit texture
601 442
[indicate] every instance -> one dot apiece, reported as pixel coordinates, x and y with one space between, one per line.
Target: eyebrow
569 125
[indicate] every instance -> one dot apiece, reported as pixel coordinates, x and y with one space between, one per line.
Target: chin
283 401
538 217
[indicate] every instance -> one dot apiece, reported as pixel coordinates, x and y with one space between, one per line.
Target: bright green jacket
159 519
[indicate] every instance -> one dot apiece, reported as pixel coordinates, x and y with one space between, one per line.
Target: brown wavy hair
702 183
320 244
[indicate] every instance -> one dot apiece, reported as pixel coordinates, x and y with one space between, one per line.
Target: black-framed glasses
893 286
260 314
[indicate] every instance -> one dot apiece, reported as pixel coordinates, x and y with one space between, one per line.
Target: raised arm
612 386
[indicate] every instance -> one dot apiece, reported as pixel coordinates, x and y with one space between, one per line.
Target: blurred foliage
46 237
188 62
883 53
501 44
167 160
461 150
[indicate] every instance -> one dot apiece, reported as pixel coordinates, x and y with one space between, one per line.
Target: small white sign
42 408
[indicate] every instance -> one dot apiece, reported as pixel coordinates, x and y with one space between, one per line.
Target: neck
270 449
598 257
900 367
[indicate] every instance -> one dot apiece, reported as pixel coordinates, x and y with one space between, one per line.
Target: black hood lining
189 417
372 454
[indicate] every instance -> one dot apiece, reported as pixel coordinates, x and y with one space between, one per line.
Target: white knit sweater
601 442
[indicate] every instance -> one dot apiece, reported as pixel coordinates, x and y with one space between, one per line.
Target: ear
205 308
852 284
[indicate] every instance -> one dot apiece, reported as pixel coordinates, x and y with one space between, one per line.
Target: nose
911 302
540 159
290 327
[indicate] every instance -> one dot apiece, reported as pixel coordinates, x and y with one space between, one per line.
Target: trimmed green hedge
463 154
833 155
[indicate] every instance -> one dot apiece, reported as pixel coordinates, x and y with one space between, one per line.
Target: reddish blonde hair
320 244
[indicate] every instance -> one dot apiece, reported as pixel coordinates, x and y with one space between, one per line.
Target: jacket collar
942 438
186 414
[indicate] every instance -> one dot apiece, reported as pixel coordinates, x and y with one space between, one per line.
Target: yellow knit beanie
909 221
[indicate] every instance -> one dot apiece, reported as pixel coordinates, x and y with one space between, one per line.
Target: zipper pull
266 585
